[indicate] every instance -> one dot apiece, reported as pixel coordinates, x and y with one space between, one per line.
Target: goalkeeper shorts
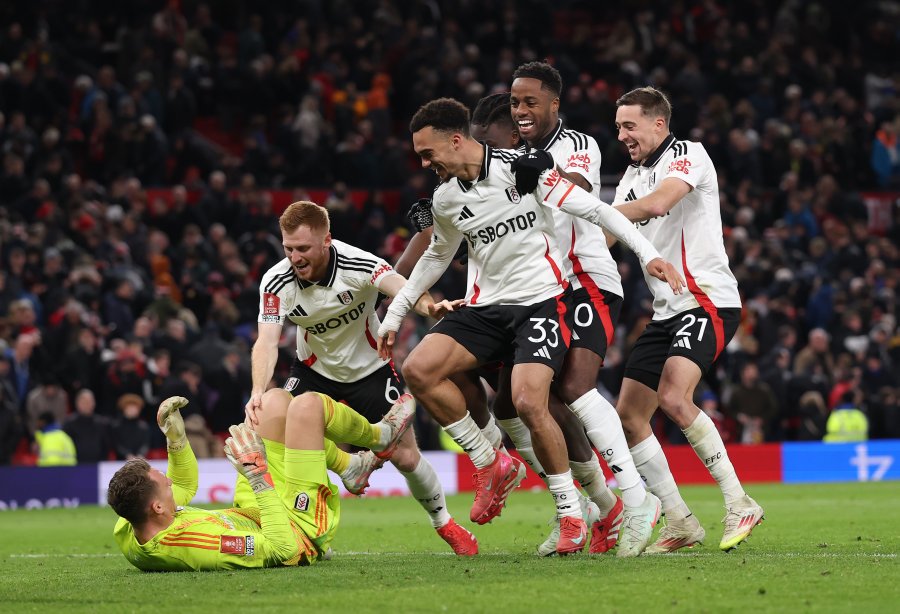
301 480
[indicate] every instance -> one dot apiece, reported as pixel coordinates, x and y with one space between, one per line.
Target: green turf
821 548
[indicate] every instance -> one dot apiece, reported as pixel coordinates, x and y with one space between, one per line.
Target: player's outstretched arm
263 359
425 274
182 469
658 202
391 285
247 453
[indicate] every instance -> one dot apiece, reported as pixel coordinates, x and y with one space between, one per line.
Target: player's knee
405 458
305 405
276 397
572 388
672 402
417 376
529 409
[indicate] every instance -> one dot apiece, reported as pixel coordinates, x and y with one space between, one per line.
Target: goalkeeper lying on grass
286 509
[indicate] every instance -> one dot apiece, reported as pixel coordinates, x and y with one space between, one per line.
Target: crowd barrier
46 487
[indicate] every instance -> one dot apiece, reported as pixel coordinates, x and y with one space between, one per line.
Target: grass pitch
829 547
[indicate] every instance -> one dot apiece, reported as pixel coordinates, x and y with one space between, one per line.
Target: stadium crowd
140 142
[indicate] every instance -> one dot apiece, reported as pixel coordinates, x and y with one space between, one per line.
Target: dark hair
131 490
443 114
493 109
653 102
543 72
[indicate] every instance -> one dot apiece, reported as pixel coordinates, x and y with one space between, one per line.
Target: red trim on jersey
370 338
593 292
189 543
705 302
559 279
566 333
476 291
208 536
312 358
563 199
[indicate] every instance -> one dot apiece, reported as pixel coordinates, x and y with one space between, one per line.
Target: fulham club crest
345 297
513 195
301 503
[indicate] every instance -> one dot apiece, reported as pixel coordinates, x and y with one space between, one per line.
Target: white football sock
565 494
521 438
604 429
493 433
590 476
426 488
707 443
470 438
653 466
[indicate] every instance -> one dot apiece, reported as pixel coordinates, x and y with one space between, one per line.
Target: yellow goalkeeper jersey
201 539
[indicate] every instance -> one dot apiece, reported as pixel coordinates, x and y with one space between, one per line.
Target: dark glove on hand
528 168
420 214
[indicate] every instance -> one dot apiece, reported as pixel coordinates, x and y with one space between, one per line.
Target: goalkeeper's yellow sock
343 424
336 459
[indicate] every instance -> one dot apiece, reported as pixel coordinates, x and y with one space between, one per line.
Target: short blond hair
304 213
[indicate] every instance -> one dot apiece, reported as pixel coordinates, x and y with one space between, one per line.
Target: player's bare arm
656 204
262 365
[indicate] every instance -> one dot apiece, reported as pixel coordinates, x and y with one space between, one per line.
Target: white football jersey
690 234
583 244
336 316
514 258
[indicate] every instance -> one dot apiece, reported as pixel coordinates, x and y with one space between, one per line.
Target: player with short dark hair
329 288
597 298
517 299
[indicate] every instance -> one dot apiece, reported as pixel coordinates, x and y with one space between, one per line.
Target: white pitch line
681 555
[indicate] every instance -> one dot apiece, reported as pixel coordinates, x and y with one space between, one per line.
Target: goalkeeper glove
420 214
528 168
170 422
245 450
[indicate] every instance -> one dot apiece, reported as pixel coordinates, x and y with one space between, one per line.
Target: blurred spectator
126 373
813 416
54 446
187 381
752 404
88 431
230 385
47 398
202 440
886 154
129 434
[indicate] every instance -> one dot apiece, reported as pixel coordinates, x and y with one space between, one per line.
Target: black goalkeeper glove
528 168
420 214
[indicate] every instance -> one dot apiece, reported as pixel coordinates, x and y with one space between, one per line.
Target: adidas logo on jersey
683 343
542 353
465 214
631 196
